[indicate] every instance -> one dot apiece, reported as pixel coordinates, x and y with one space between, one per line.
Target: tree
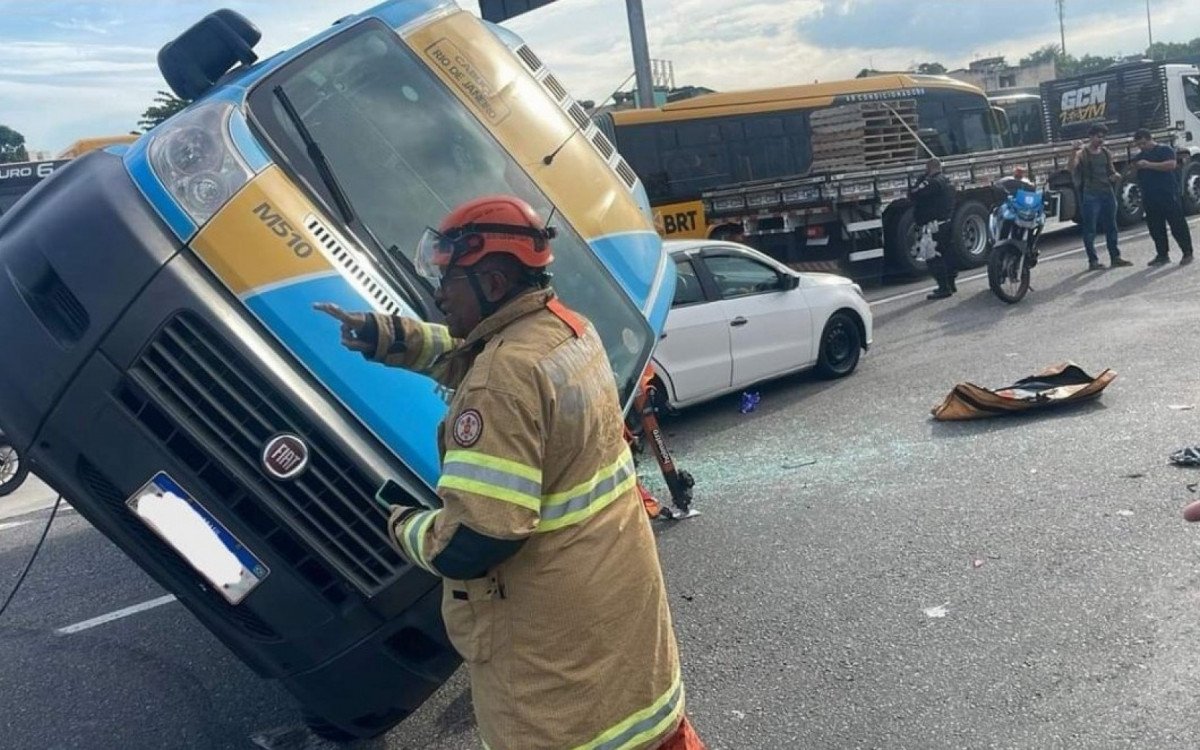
12 146
1085 64
1041 55
931 69
165 105
1173 50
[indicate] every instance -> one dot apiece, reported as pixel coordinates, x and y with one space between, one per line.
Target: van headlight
195 159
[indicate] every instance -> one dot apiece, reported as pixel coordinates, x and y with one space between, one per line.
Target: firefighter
553 593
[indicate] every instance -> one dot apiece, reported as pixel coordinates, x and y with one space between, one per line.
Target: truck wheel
1191 188
1068 204
900 243
1129 203
969 233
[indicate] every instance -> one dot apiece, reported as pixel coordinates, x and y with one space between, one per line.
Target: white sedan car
739 317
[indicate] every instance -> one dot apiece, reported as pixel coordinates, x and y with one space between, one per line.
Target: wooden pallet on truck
863 136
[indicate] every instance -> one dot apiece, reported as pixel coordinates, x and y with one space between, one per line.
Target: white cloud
70 69
76 24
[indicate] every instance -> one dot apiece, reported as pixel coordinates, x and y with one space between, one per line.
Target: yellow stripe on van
490 81
259 238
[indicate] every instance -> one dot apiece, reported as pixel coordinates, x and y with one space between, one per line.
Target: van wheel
13 470
325 730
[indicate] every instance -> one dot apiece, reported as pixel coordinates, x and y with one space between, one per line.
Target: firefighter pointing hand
553 593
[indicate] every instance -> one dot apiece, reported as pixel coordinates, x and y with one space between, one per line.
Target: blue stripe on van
247 145
402 408
633 258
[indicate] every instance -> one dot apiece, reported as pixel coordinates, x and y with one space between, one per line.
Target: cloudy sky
71 69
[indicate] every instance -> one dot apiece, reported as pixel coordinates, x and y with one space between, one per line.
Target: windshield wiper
402 276
317 155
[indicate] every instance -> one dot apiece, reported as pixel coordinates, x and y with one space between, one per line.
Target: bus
1024 117
157 305
17 179
86 145
718 140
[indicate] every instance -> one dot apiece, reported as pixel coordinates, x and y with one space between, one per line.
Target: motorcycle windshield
1028 200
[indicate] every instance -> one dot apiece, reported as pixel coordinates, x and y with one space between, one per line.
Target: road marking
928 289
12 525
102 619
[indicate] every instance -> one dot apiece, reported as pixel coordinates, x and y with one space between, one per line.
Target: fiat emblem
285 456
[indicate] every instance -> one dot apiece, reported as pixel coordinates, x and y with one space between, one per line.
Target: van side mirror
196 59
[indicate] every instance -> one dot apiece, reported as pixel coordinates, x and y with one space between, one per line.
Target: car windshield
406 152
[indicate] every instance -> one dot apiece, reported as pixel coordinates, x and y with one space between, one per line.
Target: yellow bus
84 145
729 139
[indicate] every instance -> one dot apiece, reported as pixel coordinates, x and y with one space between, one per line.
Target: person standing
933 207
552 593
1158 178
1095 176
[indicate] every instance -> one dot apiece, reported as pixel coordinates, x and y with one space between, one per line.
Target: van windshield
406 152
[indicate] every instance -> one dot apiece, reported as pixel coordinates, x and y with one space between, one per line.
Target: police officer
933 206
553 593
1158 178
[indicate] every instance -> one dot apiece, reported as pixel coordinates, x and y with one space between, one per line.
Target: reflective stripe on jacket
568 642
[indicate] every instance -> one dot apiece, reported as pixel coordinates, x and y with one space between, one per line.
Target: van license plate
183 523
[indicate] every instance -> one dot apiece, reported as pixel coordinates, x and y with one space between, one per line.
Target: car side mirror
789 282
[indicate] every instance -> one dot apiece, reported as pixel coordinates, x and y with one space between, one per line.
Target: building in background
993 74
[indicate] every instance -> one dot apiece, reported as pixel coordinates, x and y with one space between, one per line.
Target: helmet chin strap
486 306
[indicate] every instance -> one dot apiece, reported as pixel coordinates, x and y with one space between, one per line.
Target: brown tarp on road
1064 383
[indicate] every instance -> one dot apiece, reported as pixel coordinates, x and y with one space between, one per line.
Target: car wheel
12 469
841 346
659 399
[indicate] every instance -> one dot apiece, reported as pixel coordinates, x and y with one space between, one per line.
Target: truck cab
1183 95
169 376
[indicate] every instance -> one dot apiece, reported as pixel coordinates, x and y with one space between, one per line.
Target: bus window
764 153
638 144
934 126
699 162
979 130
800 136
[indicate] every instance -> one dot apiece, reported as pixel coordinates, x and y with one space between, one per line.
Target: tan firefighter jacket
568 642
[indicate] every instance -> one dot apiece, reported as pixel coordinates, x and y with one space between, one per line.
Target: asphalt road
861 577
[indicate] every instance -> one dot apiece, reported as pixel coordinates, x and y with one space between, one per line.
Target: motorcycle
13 471
1015 226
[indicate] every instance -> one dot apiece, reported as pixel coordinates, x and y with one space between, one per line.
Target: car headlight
195 159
